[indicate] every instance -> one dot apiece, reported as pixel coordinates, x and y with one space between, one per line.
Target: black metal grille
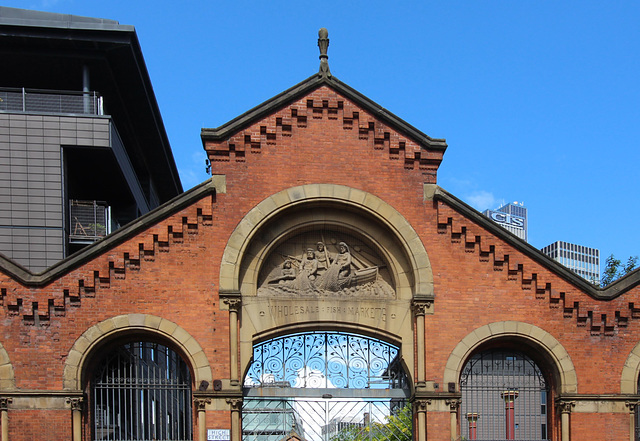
142 392
488 381
49 101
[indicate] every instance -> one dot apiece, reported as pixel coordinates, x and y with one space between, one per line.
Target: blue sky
539 100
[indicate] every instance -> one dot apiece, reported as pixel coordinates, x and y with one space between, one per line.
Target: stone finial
323 44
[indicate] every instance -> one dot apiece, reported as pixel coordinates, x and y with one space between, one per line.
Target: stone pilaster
632 406
76 416
234 303
454 405
421 307
565 408
201 407
236 409
420 408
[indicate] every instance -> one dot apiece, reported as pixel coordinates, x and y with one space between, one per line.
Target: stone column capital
4 403
75 402
235 403
472 416
453 404
565 406
234 303
632 405
201 403
421 405
420 307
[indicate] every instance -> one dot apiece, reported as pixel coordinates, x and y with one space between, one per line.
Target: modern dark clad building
83 149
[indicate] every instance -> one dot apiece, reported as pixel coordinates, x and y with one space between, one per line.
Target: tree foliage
614 269
397 428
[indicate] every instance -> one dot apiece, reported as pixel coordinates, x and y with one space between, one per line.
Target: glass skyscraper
512 217
582 260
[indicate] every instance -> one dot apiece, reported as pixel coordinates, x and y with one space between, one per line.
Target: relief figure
338 275
319 273
324 257
283 274
308 269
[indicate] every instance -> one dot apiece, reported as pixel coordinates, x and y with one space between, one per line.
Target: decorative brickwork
40 313
598 319
318 158
335 110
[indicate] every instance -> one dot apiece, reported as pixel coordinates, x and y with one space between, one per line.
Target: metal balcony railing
90 221
50 101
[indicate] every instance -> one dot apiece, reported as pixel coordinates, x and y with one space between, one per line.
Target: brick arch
115 326
7 375
630 372
366 203
539 338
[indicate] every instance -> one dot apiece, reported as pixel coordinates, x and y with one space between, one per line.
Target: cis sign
507 219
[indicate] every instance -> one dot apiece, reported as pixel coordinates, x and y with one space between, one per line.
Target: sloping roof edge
26 17
612 291
303 88
63 29
26 277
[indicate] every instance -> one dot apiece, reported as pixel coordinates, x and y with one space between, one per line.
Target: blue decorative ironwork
326 360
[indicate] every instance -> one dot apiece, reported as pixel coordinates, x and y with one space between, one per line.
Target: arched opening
326 386
505 396
637 416
140 390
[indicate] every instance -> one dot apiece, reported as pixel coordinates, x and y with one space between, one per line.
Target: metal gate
504 397
326 420
326 386
142 391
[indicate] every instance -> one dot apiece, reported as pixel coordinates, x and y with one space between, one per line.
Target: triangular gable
417 148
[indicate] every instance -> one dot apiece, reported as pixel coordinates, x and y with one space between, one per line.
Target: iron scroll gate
326 386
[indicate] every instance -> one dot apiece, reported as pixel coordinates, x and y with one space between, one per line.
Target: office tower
582 260
512 217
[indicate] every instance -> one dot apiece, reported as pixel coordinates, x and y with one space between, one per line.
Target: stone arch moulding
115 326
630 372
524 331
7 375
365 203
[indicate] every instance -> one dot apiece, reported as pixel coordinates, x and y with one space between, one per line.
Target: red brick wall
177 277
438 426
602 426
45 425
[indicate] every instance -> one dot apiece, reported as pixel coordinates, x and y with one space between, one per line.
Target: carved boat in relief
366 275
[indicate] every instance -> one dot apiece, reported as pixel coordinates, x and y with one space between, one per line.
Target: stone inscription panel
356 313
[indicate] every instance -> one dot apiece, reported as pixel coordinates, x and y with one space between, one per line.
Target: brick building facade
319 162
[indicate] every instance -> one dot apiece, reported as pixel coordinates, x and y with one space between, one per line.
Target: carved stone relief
307 265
